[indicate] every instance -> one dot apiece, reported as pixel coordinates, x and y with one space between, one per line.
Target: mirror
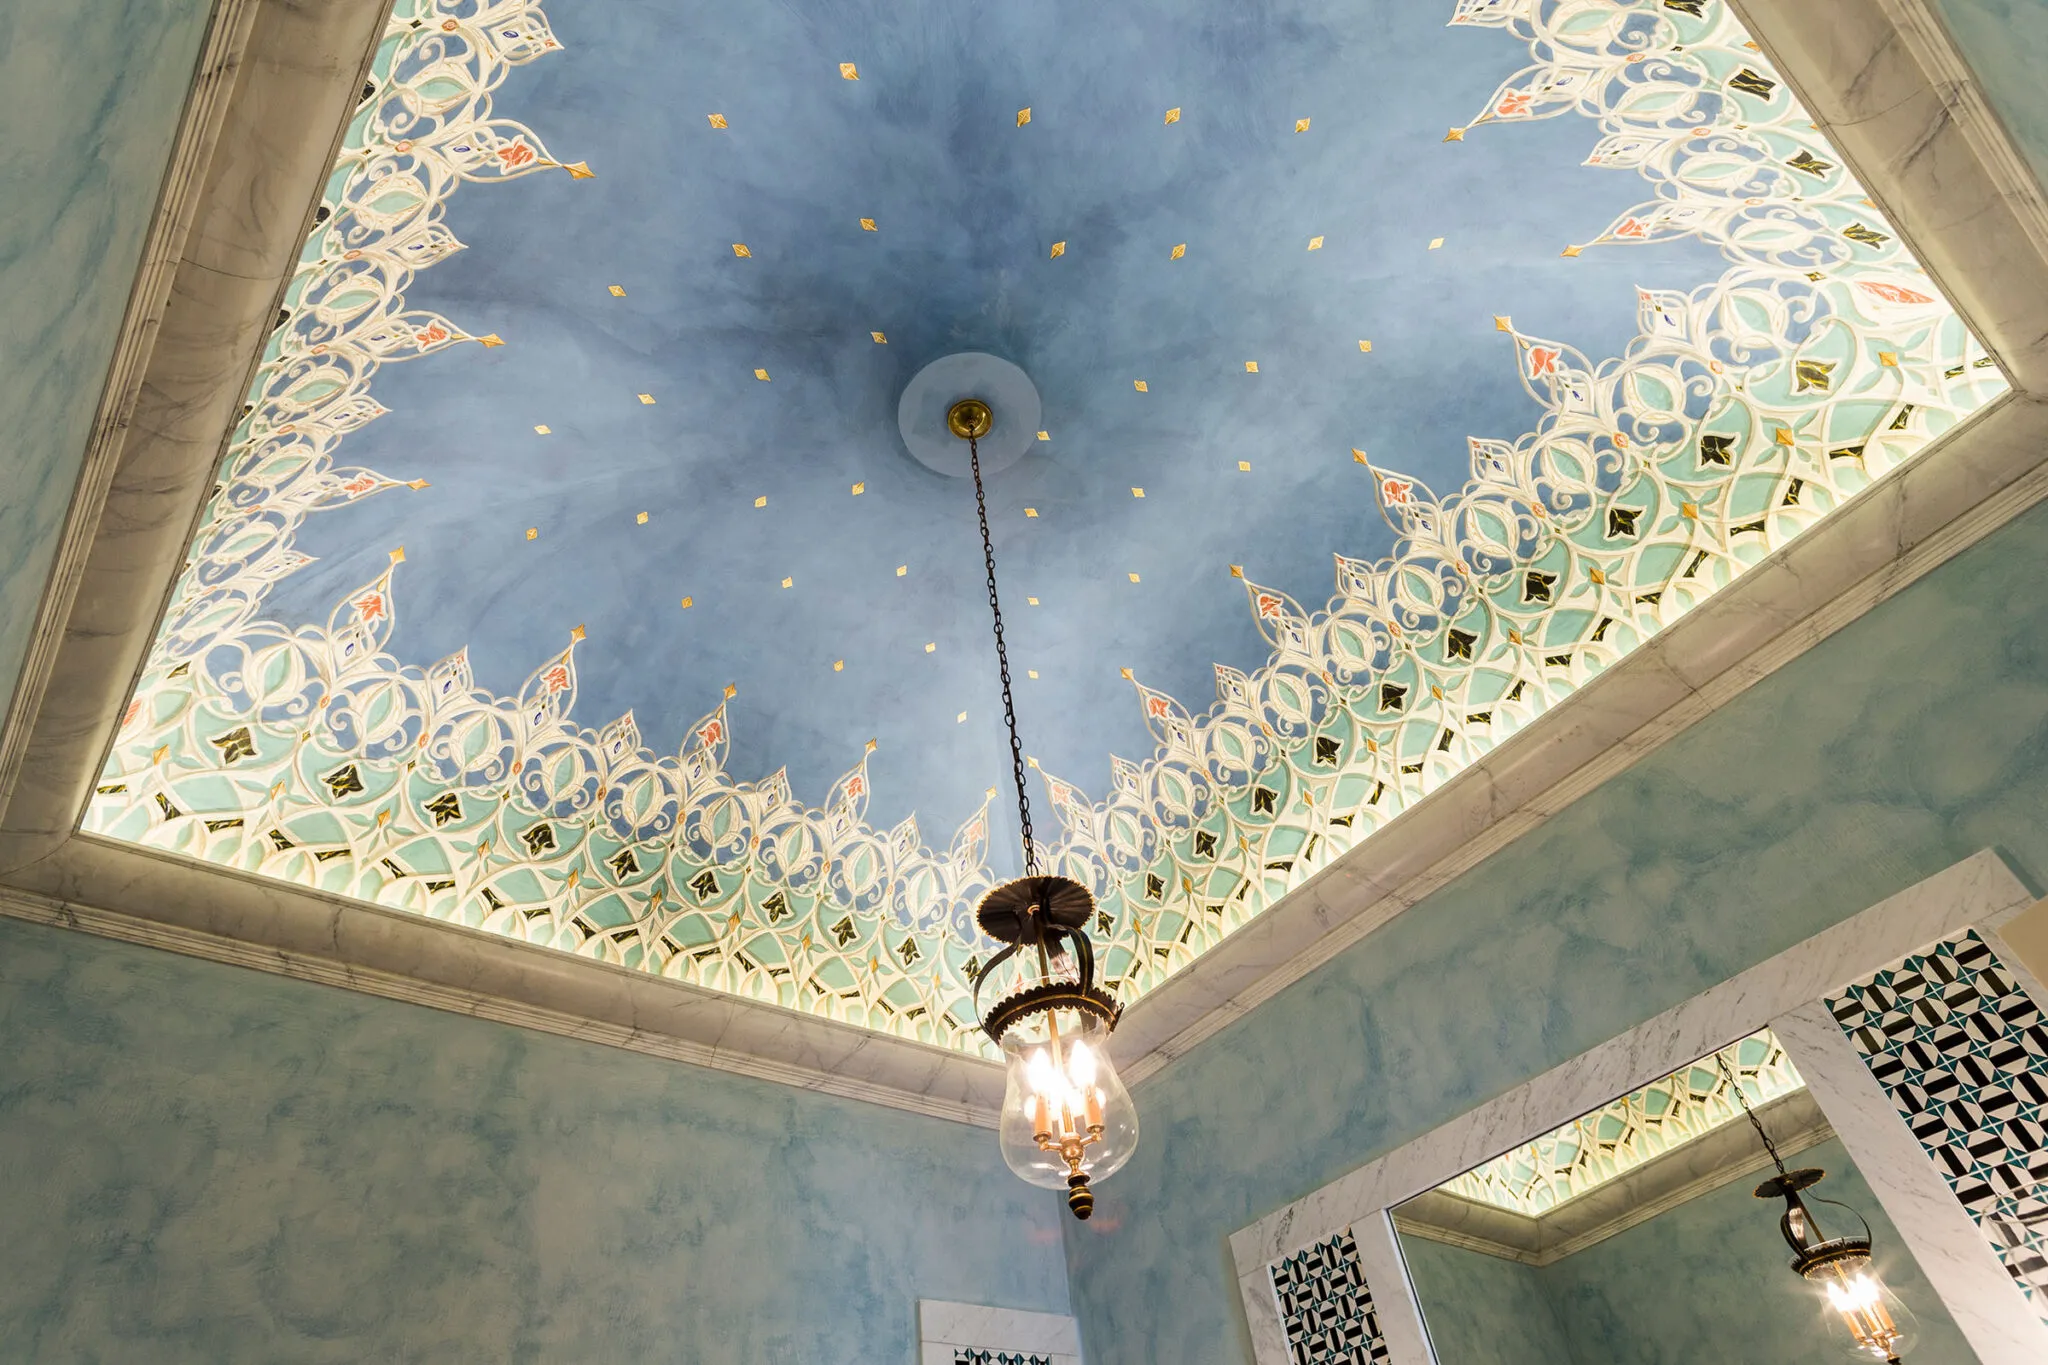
1633 1236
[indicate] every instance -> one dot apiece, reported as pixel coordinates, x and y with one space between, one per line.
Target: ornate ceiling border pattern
1745 411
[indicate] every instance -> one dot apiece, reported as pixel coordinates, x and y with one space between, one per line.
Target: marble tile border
944 1329
1980 890
1880 75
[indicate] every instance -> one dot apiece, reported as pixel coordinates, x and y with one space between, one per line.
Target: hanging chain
1750 1113
988 554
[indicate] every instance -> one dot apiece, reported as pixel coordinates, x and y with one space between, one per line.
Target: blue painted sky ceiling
568 577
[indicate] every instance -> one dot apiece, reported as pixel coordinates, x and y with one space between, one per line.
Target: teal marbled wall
90 96
1702 1284
1904 743
1481 1309
206 1164
2006 44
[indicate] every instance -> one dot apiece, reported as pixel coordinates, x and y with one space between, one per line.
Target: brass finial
969 418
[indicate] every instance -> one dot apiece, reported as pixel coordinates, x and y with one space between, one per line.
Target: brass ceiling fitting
969 419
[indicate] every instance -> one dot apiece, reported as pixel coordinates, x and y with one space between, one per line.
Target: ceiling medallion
1067 1119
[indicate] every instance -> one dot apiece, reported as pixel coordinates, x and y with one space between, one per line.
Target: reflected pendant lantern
1865 1319
1067 1119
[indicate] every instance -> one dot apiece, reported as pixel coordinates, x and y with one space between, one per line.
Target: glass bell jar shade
1865 1320
1067 1119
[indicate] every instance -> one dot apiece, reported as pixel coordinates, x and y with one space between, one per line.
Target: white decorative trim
1950 1248
178 197
1400 1315
1927 37
946 1329
1885 84
1977 889
334 941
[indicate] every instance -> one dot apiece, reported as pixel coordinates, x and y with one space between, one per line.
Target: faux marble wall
1908 741
2006 44
207 1164
1482 1308
90 96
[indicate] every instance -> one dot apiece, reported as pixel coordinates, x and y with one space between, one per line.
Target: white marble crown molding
1979 890
1678 1175
1884 80
178 198
276 83
144 896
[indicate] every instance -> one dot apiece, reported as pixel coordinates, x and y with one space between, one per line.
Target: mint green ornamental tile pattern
1910 740
1815 357
90 96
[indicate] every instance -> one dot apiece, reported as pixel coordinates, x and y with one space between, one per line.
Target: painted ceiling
568 578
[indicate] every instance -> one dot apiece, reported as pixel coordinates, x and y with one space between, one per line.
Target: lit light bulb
1081 1064
1064 1118
1866 1319
1039 1068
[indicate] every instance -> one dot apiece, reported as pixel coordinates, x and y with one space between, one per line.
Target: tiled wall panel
1326 1306
1962 1051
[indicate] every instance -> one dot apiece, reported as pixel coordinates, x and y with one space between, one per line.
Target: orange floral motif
556 678
515 153
370 607
427 336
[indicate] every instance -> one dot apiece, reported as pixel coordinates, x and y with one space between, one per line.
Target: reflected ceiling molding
1653 1149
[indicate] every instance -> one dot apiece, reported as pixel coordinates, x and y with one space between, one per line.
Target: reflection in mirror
1638 1234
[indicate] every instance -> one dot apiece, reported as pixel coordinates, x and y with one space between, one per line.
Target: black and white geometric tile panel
1962 1051
964 1356
1326 1307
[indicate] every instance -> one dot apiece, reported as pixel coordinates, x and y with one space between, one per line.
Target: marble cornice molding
275 84
142 896
258 140
178 202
